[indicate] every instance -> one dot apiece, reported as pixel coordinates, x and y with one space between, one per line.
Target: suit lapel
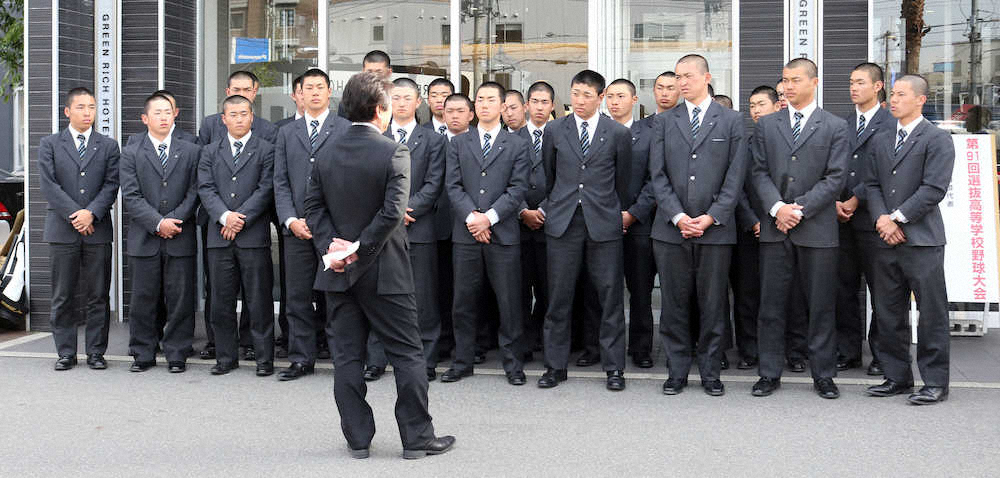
498 147
324 130
414 141
70 144
172 159
474 144
683 122
226 154
785 126
302 132
871 128
711 117
573 136
92 144
910 142
146 150
815 119
600 137
247 155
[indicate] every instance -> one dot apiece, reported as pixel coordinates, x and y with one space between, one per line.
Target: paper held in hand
340 255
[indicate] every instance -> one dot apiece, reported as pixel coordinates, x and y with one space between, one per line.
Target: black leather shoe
431 375
889 388
97 362
643 361
724 363
138 366
436 446
714 388
616 381
826 388
929 395
796 365
373 373
479 358
208 353
265 369
516 378
222 369
176 367
674 386
747 364
65 362
249 354
845 364
765 386
294 371
551 378
875 369
454 375
587 360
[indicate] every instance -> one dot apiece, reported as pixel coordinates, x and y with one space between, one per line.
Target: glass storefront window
958 53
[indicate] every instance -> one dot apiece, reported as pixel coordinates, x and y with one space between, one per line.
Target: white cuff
774 209
470 217
492 215
542 211
898 216
158 224
677 218
289 221
222 219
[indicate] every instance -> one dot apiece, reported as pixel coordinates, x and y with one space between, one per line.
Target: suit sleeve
873 188
58 199
666 198
549 158
623 163
205 132
259 203
138 207
390 216
644 204
828 188
732 185
422 201
745 215
282 185
186 208
208 191
859 192
317 217
509 203
461 203
763 184
101 204
939 163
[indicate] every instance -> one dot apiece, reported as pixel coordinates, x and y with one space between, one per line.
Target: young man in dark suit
235 184
907 177
588 162
159 176
487 172
798 170
698 165
514 112
858 240
637 219
300 144
357 194
175 132
78 176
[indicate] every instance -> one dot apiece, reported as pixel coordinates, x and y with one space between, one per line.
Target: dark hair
723 100
153 97
407 83
376 56
363 94
460 97
492 84
874 71
668 74
543 87
590 78
78 91
516 93
805 63
237 100
623 81
170 96
698 60
772 94
917 82
246 75
441 82
711 90
297 83
315 72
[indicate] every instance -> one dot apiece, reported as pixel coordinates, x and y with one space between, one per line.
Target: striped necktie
442 130
900 141
861 125
83 144
162 148
695 121
239 149
402 135
314 134
537 144
486 145
584 138
797 127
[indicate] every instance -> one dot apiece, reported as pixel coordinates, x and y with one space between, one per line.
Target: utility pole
975 52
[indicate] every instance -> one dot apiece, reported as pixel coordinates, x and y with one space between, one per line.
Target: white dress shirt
394 127
438 124
309 119
492 213
591 125
867 114
806 113
896 215
86 135
232 148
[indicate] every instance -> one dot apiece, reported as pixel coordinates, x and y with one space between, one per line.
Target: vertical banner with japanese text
106 58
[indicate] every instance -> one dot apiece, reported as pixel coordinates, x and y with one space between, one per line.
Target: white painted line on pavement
23 340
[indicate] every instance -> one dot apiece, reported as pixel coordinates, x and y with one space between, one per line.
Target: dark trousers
251 268
856 257
446 293
534 285
502 265
744 279
244 324
797 321
817 268
585 326
698 272
640 272
283 325
302 318
351 316
567 256
168 280
898 272
85 268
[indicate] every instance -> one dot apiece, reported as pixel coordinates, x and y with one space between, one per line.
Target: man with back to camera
357 194
798 169
906 180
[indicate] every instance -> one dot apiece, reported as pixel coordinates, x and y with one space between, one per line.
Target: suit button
532 186
234 178
83 191
692 178
852 173
694 156
163 202
83 173
893 171
583 166
232 195
312 160
855 156
892 192
482 191
794 158
581 186
791 179
484 173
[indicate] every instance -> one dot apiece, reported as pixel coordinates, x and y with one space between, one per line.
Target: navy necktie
900 141
163 155
239 149
83 144
861 125
695 121
537 144
797 127
402 135
314 134
486 145
442 130
584 138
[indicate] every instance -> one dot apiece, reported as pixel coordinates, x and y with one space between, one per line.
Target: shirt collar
298 115
157 143
703 105
86 134
370 125
409 127
438 124
452 135
493 132
245 139
321 118
868 114
628 124
910 127
532 128
806 112
591 122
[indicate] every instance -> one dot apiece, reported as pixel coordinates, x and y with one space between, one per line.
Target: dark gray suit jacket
442 208
748 207
246 188
700 175
641 198
427 168
212 129
534 194
358 192
293 163
913 181
498 183
70 184
809 172
151 194
862 154
598 182
283 121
